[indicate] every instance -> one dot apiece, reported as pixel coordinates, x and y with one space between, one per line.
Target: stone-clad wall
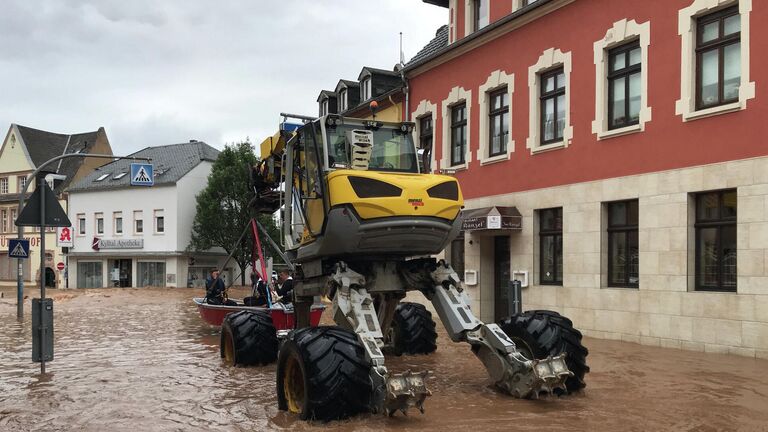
665 310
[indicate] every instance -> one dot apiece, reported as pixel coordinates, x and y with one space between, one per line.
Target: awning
492 218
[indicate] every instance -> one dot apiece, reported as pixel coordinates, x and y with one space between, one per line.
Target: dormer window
479 14
343 100
324 107
365 89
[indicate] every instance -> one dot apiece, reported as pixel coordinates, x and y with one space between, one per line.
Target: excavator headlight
369 188
332 120
406 127
448 190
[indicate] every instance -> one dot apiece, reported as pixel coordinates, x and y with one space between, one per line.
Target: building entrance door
501 277
50 278
121 272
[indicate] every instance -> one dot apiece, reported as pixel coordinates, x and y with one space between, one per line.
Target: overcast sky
159 72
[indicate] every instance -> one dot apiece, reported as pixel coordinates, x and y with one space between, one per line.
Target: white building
134 236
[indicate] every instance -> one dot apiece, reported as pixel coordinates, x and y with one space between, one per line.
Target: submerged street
143 360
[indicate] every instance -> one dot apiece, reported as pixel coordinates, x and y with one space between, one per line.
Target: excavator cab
355 186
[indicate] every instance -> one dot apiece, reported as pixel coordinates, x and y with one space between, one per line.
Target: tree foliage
223 209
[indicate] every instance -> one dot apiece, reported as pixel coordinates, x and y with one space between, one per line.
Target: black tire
322 374
543 333
413 330
248 338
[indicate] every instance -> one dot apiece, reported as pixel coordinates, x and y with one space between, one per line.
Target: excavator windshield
393 150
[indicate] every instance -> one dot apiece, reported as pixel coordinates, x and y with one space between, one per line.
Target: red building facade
629 137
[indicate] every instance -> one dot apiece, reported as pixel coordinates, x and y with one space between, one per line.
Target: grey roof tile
170 163
439 42
43 146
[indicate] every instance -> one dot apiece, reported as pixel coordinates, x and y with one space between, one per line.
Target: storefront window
89 275
151 274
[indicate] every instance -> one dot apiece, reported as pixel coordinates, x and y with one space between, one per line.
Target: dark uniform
214 292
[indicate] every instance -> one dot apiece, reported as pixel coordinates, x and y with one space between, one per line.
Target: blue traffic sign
18 248
142 174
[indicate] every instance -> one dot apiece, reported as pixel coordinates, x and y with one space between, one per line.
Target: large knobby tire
248 338
413 330
542 333
322 374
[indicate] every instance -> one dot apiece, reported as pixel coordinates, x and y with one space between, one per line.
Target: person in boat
215 290
285 291
258 292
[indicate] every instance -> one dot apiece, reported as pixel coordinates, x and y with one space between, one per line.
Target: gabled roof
43 146
326 94
347 84
170 163
376 71
439 42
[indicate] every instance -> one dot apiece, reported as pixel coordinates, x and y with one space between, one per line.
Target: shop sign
99 244
33 241
64 237
491 222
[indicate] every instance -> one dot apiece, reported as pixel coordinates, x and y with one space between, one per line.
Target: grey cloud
155 72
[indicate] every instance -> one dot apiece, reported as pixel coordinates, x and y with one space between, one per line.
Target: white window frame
5 184
686 28
343 100
324 107
622 32
21 181
452 20
549 59
365 89
81 217
455 96
96 217
496 80
469 16
138 215
158 214
424 108
5 222
115 216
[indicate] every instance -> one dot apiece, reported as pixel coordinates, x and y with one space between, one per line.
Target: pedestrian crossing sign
142 174
18 248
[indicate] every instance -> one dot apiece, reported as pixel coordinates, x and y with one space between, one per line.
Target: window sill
493 159
709 112
619 132
548 147
454 168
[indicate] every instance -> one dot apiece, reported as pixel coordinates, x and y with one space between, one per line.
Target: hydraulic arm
513 373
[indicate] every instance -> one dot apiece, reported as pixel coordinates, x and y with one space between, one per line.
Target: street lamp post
33 176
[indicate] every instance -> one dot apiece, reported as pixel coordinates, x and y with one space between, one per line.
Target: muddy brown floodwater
142 360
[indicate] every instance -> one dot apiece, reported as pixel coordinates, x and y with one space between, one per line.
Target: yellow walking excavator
359 224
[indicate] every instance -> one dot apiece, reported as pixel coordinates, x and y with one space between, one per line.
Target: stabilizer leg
353 308
511 371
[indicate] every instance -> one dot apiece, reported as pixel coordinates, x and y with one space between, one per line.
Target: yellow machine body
414 200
